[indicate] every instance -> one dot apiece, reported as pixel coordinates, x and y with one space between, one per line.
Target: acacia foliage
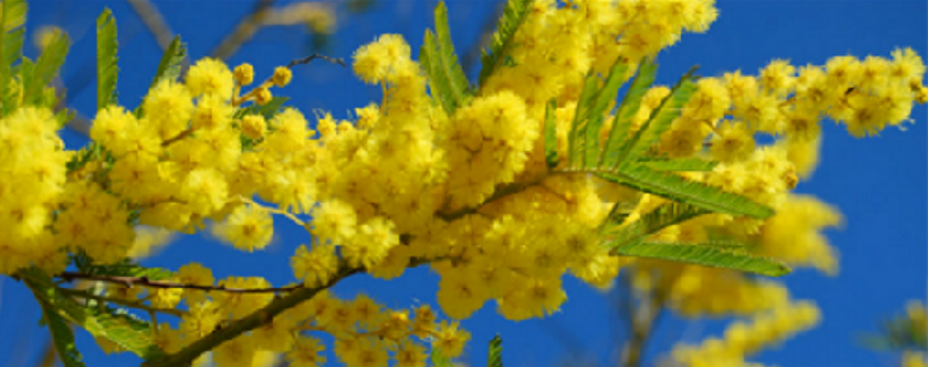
539 169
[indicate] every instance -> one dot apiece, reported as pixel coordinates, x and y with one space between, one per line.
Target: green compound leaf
663 216
446 77
551 134
631 103
659 121
595 114
126 331
268 110
679 165
107 70
514 15
576 138
495 358
439 360
61 333
46 66
710 256
12 18
170 66
127 268
673 187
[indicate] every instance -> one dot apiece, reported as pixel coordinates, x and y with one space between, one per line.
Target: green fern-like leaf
438 359
107 70
268 110
595 114
61 333
642 178
514 15
446 77
663 216
495 358
127 268
659 121
169 67
46 66
126 331
679 165
631 103
12 18
447 81
551 134
710 256
576 137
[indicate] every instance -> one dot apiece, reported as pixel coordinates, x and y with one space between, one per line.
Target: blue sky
879 183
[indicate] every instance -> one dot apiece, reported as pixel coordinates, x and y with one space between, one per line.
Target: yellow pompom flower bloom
247 228
371 244
212 112
205 190
306 352
282 76
732 143
111 125
253 126
372 61
334 221
210 76
450 339
314 267
237 352
168 108
410 355
244 74
262 95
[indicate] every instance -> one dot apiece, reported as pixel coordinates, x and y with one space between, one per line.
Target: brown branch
504 191
48 354
643 320
182 135
144 281
260 317
245 29
152 18
253 321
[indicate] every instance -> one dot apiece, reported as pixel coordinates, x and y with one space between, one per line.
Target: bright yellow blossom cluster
468 190
742 340
32 164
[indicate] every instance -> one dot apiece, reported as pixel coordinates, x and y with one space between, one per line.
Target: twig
486 36
181 135
507 190
245 29
122 302
253 321
643 321
144 281
270 80
48 354
258 318
154 21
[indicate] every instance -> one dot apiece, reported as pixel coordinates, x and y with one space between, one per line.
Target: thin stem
255 320
245 29
144 281
643 321
122 302
285 213
182 135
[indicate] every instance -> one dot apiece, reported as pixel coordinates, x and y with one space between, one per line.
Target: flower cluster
743 339
469 191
